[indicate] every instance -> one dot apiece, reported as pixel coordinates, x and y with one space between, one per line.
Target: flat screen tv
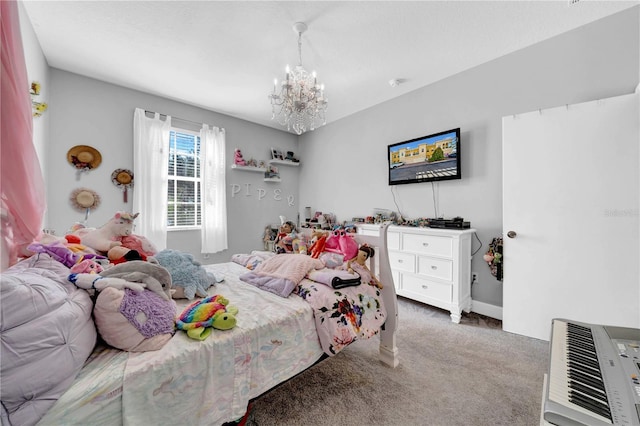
425 159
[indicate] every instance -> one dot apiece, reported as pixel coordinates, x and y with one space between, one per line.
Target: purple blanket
281 273
280 286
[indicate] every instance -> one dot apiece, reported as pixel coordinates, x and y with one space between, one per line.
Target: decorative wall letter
277 194
235 188
290 200
261 193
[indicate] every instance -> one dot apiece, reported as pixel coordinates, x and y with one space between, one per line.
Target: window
183 194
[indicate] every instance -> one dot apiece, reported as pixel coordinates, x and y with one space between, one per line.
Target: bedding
45 321
344 309
211 381
199 382
343 315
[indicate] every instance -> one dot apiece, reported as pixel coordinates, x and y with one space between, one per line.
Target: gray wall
90 112
596 61
348 173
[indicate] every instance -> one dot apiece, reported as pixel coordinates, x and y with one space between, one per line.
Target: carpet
471 373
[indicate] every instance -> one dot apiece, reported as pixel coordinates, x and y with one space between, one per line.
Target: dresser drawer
371 230
428 244
437 268
425 288
393 240
402 261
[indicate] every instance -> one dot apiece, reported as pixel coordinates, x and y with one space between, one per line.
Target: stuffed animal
199 318
87 266
189 278
139 243
318 246
119 254
60 252
98 282
339 242
109 234
153 276
237 159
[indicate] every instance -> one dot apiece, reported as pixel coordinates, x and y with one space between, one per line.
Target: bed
210 382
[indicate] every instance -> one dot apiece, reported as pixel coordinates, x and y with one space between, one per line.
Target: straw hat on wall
84 157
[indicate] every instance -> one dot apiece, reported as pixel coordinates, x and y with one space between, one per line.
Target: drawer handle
399 260
425 286
434 267
425 244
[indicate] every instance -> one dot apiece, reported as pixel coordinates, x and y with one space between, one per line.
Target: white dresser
430 265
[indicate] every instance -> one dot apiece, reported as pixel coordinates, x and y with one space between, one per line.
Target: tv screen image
425 159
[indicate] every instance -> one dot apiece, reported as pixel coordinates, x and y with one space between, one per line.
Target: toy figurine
358 264
238 160
290 157
284 241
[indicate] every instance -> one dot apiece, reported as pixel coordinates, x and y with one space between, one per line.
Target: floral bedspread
343 315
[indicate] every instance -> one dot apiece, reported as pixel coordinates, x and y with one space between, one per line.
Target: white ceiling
224 55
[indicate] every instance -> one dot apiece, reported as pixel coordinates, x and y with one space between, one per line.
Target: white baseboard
492 311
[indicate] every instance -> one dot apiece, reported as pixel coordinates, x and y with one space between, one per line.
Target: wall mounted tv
425 159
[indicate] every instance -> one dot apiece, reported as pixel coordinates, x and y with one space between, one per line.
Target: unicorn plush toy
109 235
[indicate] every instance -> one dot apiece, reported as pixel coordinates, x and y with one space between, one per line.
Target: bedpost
388 348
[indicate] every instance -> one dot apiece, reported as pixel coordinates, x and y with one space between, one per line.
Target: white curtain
150 162
214 204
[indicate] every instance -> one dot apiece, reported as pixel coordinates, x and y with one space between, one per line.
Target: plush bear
109 235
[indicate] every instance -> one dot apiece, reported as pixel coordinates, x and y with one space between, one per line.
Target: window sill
184 228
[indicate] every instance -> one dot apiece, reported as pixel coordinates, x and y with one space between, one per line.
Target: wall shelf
272 180
249 168
285 162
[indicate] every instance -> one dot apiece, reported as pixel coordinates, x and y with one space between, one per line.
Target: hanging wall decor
123 179
494 259
84 158
38 107
84 200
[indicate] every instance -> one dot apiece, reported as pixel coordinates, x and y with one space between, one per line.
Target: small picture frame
276 154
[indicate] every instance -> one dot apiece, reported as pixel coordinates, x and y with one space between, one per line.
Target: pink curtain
21 182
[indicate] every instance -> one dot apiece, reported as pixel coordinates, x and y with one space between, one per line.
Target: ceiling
224 55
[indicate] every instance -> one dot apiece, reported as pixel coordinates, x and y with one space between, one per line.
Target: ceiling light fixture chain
300 103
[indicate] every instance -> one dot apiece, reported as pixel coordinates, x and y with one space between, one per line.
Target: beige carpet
471 373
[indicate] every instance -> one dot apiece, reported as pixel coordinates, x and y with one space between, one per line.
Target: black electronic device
455 223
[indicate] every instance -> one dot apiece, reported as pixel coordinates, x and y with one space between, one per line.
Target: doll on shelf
358 264
284 241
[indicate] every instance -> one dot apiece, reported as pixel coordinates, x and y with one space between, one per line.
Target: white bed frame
380 264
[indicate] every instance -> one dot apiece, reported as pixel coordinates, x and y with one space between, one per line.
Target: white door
570 182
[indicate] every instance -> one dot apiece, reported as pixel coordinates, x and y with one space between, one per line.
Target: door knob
511 234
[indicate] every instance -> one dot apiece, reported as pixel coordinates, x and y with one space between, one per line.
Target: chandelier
299 103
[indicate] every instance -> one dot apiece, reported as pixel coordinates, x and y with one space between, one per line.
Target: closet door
570 205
